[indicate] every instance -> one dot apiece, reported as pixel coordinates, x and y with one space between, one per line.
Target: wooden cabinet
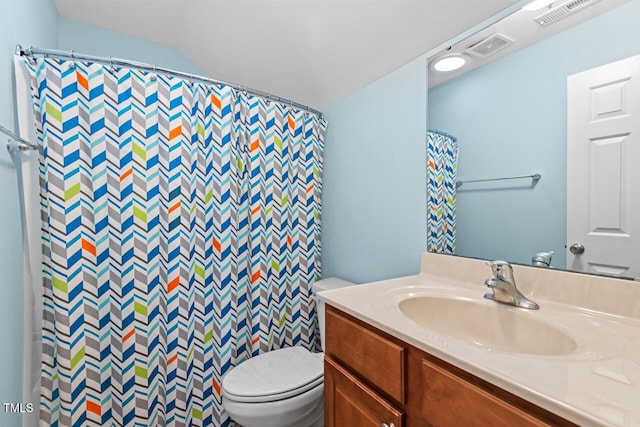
349 402
373 379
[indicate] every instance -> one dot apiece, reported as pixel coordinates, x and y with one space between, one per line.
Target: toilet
281 388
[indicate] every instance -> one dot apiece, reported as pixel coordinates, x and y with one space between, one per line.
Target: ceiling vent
489 46
562 11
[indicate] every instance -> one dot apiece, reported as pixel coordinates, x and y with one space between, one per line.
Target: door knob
577 248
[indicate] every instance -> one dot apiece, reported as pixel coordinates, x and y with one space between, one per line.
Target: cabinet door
367 354
348 402
449 401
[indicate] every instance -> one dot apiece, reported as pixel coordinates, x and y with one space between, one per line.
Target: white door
603 169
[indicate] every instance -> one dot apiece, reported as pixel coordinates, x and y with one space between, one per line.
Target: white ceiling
314 52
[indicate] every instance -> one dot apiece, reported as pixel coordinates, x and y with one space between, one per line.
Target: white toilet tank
325 285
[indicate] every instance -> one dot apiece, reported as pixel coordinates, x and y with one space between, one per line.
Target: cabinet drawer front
450 401
348 402
373 357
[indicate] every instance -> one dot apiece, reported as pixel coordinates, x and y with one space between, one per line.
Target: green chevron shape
139 151
141 372
59 284
78 357
199 271
197 414
140 214
140 308
71 192
53 112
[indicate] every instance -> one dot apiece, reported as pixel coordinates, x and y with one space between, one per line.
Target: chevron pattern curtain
181 234
442 165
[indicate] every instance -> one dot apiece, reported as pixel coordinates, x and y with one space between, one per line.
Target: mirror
507 107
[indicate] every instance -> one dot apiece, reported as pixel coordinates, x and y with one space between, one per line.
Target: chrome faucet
503 286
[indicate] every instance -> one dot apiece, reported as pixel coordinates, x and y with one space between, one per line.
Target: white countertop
597 384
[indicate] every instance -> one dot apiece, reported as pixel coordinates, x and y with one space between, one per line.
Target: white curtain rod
53 53
21 144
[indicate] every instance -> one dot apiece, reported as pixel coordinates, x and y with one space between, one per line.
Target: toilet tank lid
330 283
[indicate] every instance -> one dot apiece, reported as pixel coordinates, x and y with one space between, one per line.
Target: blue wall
374 196
25 22
510 119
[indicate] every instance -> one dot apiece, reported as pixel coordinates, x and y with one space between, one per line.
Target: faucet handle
501 269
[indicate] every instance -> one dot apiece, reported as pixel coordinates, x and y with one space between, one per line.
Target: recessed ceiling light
537 4
450 62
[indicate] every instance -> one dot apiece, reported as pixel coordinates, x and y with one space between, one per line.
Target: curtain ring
71 65
154 77
268 98
30 56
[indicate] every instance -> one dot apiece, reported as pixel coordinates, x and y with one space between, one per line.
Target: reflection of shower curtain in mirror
442 155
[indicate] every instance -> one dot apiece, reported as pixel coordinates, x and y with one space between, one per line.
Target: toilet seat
275 375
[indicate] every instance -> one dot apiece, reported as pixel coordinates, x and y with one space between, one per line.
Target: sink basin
489 324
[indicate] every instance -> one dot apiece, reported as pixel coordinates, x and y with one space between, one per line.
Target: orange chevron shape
216 244
94 407
431 165
216 386
175 132
172 359
310 188
255 210
292 124
126 174
255 340
255 276
289 241
254 145
129 335
174 207
173 284
89 247
216 101
82 80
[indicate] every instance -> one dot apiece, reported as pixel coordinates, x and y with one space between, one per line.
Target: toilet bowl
281 388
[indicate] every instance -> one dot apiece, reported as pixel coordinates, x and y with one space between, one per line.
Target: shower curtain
442 164
180 237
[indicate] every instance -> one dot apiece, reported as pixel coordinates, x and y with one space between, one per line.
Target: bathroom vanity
430 350
372 378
